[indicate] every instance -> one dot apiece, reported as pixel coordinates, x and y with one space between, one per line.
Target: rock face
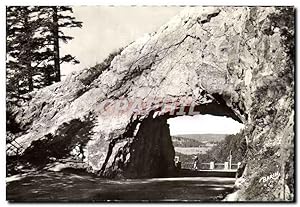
233 61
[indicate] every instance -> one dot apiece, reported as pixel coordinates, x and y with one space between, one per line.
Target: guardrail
211 166
13 147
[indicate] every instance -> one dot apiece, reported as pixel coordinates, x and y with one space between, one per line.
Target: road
59 186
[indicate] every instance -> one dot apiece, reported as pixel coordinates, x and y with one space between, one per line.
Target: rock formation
233 61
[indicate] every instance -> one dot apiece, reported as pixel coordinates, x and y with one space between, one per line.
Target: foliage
186 142
220 152
54 19
59 145
22 51
97 70
32 45
284 20
234 143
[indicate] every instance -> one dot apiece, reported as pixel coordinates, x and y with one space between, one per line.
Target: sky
203 124
106 29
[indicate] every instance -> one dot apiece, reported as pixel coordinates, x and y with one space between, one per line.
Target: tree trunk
30 81
47 75
28 70
56 45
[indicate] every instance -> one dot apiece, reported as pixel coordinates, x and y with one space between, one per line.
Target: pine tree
20 47
33 37
55 19
32 45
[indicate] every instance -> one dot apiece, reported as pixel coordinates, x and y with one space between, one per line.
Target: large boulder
233 61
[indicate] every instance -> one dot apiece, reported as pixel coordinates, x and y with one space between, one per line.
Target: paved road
58 186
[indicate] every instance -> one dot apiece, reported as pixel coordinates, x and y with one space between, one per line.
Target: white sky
203 124
106 29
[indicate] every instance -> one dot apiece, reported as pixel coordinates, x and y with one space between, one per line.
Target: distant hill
185 142
203 137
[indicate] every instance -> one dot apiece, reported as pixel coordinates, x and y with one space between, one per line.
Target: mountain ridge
203 137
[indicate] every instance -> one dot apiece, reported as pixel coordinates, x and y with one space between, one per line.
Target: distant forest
186 142
218 153
203 137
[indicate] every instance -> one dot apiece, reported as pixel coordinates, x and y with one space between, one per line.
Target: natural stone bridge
233 61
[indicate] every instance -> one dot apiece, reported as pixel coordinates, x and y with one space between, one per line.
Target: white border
3 3
149 2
